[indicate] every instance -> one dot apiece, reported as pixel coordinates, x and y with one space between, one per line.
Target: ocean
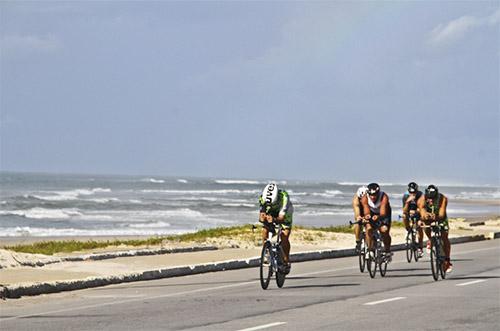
93 205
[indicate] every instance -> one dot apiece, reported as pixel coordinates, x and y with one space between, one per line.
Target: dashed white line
265 326
473 282
383 301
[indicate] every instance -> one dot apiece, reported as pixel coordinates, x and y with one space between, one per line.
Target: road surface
318 295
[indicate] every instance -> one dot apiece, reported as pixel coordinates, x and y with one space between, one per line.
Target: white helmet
270 194
361 191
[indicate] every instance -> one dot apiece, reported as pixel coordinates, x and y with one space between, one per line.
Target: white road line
265 326
382 301
473 282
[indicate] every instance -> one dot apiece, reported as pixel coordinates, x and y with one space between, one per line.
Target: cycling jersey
375 209
413 204
282 207
434 209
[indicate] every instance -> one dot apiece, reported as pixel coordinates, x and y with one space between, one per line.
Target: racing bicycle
411 243
438 256
271 259
376 258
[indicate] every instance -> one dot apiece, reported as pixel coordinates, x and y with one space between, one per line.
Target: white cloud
15 44
447 33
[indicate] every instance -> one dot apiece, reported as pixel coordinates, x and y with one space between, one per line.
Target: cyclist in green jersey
432 207
275 205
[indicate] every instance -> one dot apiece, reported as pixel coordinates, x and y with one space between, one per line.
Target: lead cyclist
275 205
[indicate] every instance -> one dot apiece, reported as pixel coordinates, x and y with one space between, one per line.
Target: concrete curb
112 255
16 291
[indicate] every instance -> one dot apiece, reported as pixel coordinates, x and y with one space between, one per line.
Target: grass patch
397 224
243 232
336 228
201 235
68 246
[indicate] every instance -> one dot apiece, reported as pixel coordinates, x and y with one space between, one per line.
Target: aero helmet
361 191
431 191
270 194
373 188
412 187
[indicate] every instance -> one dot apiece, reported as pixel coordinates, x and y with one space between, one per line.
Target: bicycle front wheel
409 247
372 263
266 268
435 264
362 252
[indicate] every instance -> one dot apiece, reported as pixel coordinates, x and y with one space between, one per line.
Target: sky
330 90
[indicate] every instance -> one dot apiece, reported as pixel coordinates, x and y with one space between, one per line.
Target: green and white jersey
283 207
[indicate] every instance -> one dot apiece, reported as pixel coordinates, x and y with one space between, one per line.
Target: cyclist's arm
366 208
284 208
384 206
421 207
356 206
406 204
442 209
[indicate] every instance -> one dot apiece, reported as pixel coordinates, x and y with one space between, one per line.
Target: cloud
448 33
15 44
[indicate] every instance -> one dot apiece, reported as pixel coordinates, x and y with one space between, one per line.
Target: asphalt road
318 295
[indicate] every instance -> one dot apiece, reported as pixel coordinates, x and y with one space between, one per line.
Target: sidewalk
64 276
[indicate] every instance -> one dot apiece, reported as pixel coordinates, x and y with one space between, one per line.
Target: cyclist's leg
265 233
446 241
420 232
385 229
406 222
369 235
357 231
285 243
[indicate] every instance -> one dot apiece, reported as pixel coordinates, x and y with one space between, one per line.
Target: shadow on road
412 269
407 275
324 285
121 287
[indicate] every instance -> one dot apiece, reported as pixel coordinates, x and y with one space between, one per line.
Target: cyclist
358 213
376 207
432 206
275 205
410 199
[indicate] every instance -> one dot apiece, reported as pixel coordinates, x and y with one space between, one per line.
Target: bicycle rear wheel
372 263
266 268
362 252
409 247
280 273
435 264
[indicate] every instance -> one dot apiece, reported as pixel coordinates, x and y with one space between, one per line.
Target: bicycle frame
376 257
272 252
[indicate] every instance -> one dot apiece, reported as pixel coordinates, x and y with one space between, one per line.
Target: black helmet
412 187
373 189
431 191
